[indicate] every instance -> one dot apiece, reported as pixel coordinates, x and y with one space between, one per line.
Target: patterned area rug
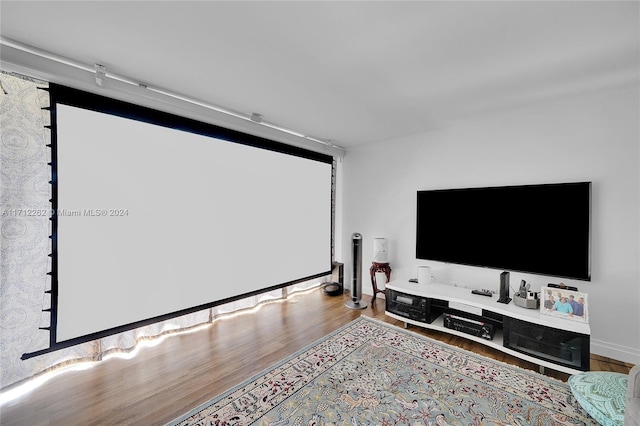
372 373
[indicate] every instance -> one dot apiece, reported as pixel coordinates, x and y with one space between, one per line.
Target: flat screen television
541 229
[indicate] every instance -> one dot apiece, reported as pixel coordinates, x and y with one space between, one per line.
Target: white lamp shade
380 250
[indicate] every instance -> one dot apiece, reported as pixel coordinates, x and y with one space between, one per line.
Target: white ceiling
349 72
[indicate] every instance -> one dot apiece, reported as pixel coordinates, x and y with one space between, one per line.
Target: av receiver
468 323
414 307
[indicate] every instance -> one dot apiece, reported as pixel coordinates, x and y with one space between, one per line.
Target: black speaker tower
504 288
356 270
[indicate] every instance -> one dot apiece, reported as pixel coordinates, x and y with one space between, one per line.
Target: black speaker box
504 288
337 274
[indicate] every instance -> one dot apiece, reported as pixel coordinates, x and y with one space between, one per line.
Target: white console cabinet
556 343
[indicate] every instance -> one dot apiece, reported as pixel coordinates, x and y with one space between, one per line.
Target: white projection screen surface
154 220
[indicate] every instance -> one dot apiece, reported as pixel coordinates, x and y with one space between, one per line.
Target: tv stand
550 342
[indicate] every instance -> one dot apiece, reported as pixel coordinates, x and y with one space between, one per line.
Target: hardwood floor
164 381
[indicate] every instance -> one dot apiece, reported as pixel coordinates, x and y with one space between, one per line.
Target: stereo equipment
356 270
504 288
469 324
417 308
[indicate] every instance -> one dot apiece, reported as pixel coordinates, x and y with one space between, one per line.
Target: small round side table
378 267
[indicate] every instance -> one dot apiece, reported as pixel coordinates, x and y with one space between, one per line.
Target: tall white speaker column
356 271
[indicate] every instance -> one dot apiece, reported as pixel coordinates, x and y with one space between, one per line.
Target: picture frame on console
566 304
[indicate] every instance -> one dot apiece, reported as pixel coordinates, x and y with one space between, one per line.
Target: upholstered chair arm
632 412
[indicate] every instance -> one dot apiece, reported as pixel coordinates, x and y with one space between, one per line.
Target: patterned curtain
25 248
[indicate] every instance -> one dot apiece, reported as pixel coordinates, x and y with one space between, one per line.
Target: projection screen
154 220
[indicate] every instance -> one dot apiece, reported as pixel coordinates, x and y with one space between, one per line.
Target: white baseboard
617 352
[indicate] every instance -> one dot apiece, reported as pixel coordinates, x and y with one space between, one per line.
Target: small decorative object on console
525 298
567 304
424 275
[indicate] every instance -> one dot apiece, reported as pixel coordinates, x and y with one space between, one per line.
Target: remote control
481 292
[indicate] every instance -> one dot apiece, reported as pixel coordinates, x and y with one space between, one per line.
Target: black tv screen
540 229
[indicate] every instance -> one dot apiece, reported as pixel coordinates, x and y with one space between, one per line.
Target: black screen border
64 95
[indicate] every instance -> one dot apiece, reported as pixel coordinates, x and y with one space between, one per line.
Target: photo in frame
563 303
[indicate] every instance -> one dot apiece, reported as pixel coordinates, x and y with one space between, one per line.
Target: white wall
594 137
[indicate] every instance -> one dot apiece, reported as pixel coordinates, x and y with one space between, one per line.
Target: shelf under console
550 342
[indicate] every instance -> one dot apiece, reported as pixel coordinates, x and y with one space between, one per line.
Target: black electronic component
470 324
